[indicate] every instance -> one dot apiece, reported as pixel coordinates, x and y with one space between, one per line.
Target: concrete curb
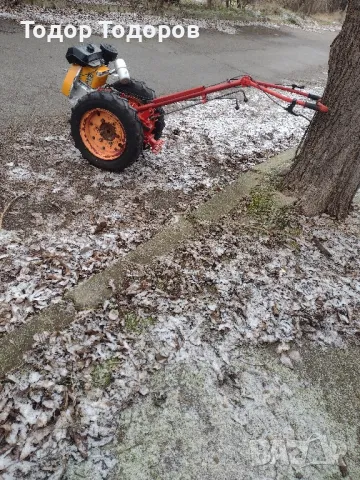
16 343
92 292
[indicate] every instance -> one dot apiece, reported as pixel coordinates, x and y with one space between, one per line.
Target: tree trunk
326 173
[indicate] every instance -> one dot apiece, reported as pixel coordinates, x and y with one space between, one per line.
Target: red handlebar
245 81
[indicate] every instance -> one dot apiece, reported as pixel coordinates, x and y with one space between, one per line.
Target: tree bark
326 172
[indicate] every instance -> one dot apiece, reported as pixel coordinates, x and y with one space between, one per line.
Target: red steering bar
244 82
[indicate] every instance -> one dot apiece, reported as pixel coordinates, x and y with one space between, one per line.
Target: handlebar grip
312 96
319 107
312 106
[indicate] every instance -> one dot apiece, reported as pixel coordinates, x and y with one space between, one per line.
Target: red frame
147 113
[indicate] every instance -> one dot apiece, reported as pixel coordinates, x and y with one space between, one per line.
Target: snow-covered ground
236 284
73 219
72 16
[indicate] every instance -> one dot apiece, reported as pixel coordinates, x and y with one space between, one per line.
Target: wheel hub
103 134
107 131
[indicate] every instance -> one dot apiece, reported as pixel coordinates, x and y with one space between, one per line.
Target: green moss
261 203
136 324
102 373
273 218
293 244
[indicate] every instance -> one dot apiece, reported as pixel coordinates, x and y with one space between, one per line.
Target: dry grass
324 11
315 8
310 7
330 17
307 7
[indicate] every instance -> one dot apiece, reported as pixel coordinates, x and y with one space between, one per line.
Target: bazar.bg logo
316 450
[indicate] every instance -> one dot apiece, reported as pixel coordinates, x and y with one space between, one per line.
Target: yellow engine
89 69
95 77
92 77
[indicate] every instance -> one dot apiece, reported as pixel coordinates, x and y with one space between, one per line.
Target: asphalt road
32 70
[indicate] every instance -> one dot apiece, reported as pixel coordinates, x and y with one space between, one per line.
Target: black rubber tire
142 92
129 119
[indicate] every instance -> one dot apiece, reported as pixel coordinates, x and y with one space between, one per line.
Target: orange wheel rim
103 134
